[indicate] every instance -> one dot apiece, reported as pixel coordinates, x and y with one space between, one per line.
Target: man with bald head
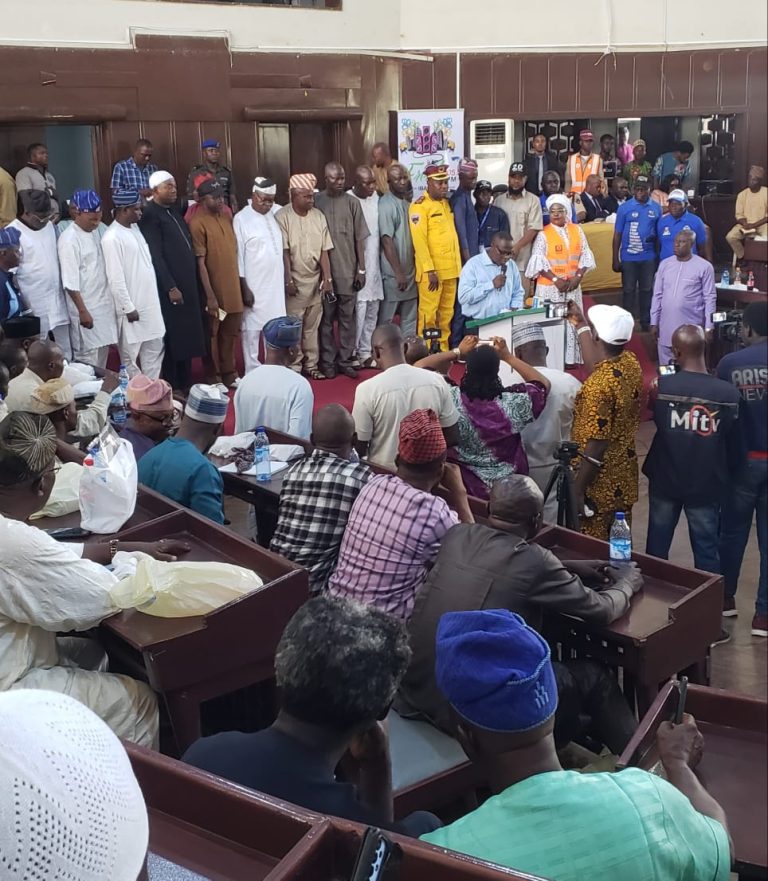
371 293
317 495
683 293
46 361
382 402
751 213
695 451
496 566
381 159
349 232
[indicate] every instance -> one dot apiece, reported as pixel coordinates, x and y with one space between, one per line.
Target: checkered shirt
316 498
127 175
392 537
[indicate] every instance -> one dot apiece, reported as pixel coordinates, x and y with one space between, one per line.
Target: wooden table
191 660
756 259
149 506
669 628
201 823
733 767
264 495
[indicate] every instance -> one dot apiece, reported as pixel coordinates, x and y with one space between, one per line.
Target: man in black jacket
497 567
538 162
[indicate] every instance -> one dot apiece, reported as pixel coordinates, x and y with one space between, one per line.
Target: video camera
728 325
432 339
567 452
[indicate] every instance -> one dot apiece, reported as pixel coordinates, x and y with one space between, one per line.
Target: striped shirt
392 537
315 500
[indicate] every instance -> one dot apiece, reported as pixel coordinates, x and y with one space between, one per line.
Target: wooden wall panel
677 85
562 76
620 86
705 79
477 85
445 81
648 82
592 71
417 86
507 85
534 76
734 78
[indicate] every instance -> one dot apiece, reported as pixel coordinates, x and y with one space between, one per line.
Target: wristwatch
583 329
457 353
361 272
113 543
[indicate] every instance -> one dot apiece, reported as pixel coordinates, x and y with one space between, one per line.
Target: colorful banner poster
427 137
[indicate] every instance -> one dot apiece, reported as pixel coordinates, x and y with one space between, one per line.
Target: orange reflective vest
563 259
579 172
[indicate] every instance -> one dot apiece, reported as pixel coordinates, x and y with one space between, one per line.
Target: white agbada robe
83 270
39 278
260 263
34 606
370 295
132 283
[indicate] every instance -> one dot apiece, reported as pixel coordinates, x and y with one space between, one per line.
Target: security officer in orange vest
438 257
580 165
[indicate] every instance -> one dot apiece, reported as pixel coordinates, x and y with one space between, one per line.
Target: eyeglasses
165 419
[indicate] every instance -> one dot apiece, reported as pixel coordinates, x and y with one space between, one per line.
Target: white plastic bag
65 497
180 589
108 489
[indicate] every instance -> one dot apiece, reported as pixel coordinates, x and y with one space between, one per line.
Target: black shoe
330 373
348 371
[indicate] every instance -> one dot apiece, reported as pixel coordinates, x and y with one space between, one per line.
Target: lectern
502 326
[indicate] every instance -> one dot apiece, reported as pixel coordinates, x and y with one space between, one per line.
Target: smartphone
68 533
485 342
667 369
378 857
717 317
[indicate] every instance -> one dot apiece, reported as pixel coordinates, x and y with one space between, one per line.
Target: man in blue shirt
677 161
634 250
679 219
490 282
177 468
490 218
747 369
134 172
467 230
551 185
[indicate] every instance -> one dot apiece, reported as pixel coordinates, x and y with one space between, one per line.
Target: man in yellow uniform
438 257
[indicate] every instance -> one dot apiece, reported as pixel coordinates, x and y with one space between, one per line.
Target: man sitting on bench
633 825
337 667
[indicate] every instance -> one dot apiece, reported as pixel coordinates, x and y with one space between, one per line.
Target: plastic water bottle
751 281
119 407
261 455
725 279
122 375
620 540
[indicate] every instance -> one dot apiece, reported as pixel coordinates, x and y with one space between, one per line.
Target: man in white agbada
133 284
372 292
261 266
47 587
93 322
542 437
38 273
559 260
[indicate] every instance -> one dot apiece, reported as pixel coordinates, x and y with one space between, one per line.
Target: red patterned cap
421 438
436 172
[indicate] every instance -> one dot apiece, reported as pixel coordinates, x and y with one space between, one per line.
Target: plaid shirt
315 501
127 175
392 536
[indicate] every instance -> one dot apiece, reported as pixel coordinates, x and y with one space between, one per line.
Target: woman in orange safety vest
559 260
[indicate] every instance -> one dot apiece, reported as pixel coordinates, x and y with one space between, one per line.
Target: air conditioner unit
491 145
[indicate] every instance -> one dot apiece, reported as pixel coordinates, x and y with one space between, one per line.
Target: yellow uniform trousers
436 307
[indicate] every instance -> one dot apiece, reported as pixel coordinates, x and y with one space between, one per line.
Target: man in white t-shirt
542 437
273 395
384 400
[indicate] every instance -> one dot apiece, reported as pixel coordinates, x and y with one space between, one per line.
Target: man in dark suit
538 162
592 200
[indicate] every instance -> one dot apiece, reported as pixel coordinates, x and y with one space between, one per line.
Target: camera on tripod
432 339
567 452
728 325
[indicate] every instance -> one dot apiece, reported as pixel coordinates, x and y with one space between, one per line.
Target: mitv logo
698 419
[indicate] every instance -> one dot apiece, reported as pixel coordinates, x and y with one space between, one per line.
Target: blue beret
282 333
124 198
86 200
210 142
9 236
495 670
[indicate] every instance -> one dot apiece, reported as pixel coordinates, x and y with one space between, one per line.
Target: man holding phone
490 282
